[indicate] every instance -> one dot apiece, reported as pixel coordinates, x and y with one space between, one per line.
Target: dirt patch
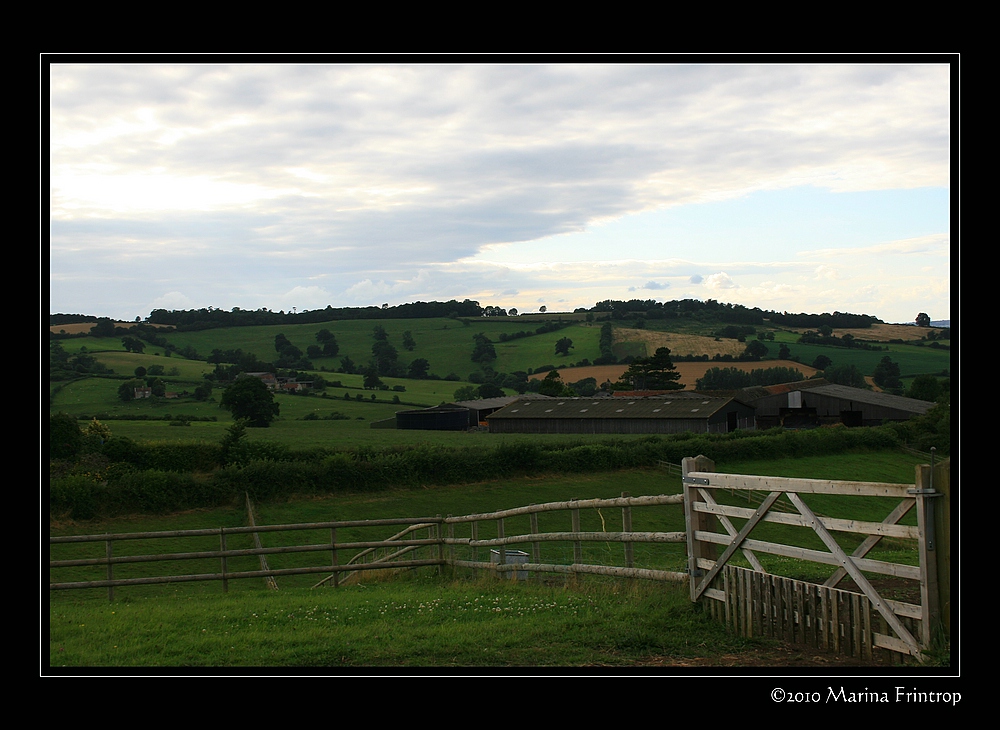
773 657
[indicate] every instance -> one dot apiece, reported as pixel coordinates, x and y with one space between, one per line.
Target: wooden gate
756 602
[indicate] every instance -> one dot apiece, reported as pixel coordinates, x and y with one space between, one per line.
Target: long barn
804 405
674 413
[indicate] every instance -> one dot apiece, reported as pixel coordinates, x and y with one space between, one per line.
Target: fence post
475 549
222 542
502 552
577 546
439 537
931 495
536 548
696 521
627 527
111 570
451 545
333 544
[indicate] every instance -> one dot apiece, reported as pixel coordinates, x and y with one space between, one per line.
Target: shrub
65 438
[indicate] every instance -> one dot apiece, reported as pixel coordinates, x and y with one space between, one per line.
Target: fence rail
715 535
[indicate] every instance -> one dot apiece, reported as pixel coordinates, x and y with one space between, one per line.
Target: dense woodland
205 318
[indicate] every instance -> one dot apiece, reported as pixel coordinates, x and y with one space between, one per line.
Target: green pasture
477 498
912 359
420 618
446 344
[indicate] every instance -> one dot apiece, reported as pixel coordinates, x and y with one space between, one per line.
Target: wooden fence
855 622
748 597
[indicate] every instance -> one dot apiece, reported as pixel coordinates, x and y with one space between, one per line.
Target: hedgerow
137 480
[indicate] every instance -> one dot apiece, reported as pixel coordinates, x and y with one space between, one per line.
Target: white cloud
722 280
248 181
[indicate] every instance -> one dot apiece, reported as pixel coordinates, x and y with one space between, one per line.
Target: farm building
806 405
456 416
440 418
480 409
674 413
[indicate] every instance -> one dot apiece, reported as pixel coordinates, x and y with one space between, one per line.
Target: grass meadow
423 618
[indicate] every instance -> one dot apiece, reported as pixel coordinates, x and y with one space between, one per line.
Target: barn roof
887 400
669 406
484 404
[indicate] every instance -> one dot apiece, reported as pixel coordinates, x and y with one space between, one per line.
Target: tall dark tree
923 320
329 342
651 373
65 437
483 352
418 368
133 344
249 399
385 356
552 384
925 387
887 374
845 375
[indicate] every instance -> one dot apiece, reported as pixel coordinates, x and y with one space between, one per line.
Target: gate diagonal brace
871 541
727 523
859 578
737 541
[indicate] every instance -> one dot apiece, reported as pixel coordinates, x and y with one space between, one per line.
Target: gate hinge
694 480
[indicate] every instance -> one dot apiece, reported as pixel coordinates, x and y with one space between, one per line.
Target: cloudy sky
800 188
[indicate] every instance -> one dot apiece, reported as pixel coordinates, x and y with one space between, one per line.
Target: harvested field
78 327
690 371
680 344
876 333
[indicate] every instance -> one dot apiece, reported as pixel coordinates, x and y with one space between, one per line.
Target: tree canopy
651 373
249 399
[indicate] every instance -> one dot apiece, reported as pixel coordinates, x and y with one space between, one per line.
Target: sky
793 187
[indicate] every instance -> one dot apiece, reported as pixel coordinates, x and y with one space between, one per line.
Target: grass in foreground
409 622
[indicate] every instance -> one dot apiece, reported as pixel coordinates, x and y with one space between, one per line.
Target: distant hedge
158 478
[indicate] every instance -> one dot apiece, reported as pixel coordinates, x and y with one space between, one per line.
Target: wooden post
942 527
222 542
451 546
577 546
333 542
502 557
536 549
438 537
627 527
111 570
935 548
696 521
475 550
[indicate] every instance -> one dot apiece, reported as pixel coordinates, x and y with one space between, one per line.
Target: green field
421 619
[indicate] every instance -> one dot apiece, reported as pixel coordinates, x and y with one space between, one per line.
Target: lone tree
651 373
887 374
249 399
563 346
923 320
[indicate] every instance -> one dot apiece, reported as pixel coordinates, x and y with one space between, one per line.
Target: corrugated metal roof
888 400
658 407
484 404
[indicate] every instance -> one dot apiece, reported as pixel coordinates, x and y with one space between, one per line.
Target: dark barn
675 413
806 407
